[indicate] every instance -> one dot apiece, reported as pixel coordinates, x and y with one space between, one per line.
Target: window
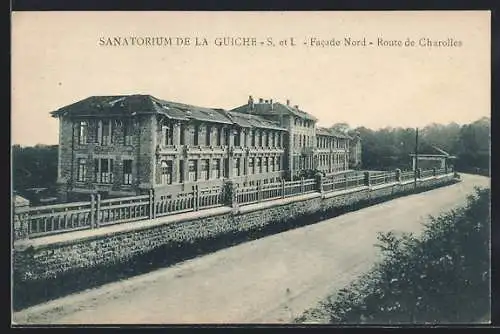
208 135
259 165
83 132
237 137
267 138
127 132
192 171
106 132
278 163
274 139
204 169
195 135
260 138
271 164
226 136
245 144
225 172
279 139
251 167
127 171
82 170
266 164
183 134
166 172
104 170
216 169
167 134
253 138
219 135
236 167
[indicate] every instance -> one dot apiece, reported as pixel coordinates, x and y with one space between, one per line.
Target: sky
57 60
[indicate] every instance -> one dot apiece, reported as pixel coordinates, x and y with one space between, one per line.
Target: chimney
272 106
250 102
288 102
267 101
261 100
296 106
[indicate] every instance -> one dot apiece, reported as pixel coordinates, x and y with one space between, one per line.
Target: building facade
127 145
355 152
332 151
308 148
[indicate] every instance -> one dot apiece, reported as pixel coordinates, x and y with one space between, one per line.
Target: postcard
251 167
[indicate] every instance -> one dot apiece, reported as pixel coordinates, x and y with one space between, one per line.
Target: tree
34 167
341 127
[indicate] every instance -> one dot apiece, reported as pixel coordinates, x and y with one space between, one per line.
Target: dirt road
270 280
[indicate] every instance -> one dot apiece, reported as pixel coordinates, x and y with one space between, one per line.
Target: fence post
319 182
21 219
196 197
152 211
367 179
98 211
434 171
92 211
230 193
282 188
259 190
302 185
419 173
398 175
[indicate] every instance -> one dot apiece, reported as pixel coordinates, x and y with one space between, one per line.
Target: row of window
324 159
261 138
102 131
304 123
303 140
327 142
255 166
103 171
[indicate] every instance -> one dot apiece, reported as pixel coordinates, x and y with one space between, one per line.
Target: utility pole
416 156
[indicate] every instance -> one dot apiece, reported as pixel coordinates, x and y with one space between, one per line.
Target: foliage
442 277
390 148
34 167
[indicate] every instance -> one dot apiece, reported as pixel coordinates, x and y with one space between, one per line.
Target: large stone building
127 145
305 147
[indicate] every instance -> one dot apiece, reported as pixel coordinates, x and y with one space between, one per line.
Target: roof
433 151
323 132
273 109
140 104
146 104
253 121
330 132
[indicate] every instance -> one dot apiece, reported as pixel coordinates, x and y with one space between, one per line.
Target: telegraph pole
416 156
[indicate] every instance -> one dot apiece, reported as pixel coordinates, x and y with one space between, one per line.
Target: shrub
441 277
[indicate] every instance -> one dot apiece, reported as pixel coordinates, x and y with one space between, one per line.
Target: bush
441 277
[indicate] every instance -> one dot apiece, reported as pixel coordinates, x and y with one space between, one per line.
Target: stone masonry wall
41 262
